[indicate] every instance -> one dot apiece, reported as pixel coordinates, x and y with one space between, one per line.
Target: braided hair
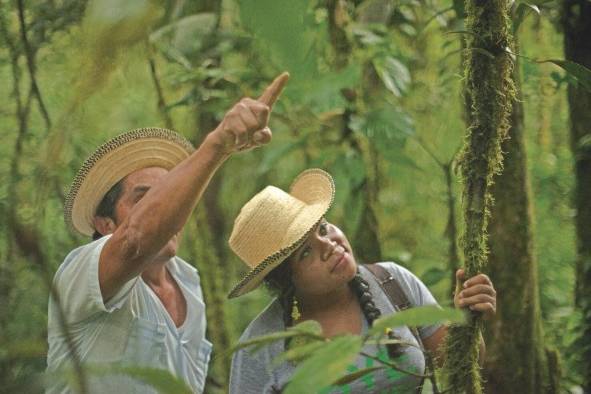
280 283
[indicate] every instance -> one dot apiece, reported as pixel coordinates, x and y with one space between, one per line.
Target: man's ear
104 225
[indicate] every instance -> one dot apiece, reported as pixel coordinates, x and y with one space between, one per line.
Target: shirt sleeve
252 370
418 294
249 374
77 284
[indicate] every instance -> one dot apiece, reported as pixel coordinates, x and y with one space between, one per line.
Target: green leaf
387 128
581 73
160 379
460 32
323 92
325 366
31 348
356 375
584 142
299 353
309 328
523 10
419 316
263 340
366 36
393 74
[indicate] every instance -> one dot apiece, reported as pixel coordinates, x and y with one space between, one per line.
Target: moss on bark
489 85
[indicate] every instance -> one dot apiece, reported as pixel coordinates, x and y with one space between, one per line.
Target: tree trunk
365 240
515 354
577 47
490 88
209 252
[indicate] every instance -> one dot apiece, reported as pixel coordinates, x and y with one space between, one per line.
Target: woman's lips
339 262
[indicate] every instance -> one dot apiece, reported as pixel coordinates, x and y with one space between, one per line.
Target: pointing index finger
272 92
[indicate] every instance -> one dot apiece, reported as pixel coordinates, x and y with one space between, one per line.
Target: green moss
490 86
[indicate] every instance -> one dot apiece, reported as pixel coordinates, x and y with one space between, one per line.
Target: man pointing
127 297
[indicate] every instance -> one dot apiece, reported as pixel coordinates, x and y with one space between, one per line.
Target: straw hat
113 161
274 223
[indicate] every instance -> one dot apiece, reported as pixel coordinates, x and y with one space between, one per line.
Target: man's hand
245 126
477 294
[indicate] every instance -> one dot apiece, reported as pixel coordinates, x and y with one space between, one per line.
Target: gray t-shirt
256 373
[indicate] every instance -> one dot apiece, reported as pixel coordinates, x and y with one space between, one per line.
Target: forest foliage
375 98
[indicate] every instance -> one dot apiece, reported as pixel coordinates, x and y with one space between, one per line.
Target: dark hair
279 281
106 207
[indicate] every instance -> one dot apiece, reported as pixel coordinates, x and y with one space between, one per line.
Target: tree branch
30 56
161 101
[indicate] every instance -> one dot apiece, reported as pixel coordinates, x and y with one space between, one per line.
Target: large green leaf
581 73
419 316
523 10
393 74
325 366
299 353
323 92
387 128
162 380
356 375
28 348
309 328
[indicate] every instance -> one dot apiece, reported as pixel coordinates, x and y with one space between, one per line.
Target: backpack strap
398 298
390 286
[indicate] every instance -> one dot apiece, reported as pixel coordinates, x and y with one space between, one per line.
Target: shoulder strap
390 286
397 297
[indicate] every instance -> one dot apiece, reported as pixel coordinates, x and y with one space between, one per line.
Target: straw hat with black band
273 224
113 161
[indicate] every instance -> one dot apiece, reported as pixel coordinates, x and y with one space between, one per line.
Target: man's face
135 186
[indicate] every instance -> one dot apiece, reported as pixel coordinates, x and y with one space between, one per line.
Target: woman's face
324 262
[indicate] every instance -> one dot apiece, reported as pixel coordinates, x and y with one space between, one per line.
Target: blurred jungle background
376 98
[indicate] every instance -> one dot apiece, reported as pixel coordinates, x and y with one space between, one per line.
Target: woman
285 240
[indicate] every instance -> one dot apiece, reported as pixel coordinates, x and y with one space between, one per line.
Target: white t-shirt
133 328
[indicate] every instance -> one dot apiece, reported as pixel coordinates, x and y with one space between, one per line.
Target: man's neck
156 274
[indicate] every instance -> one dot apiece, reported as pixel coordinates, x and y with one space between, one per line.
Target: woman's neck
320 306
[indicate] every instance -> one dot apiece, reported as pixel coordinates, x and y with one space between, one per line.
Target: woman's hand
477 294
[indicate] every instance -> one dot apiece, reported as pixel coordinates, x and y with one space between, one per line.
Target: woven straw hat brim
316 189
113 161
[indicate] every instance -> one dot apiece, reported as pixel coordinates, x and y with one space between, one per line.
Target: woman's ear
104 225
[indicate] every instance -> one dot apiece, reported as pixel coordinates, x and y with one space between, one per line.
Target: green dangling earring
295 311
295 316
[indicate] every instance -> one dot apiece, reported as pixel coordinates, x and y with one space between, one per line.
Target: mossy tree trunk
577 48
490 87
515 356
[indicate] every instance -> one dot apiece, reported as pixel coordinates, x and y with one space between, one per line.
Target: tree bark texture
490 88
210 253
515 354
577 47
